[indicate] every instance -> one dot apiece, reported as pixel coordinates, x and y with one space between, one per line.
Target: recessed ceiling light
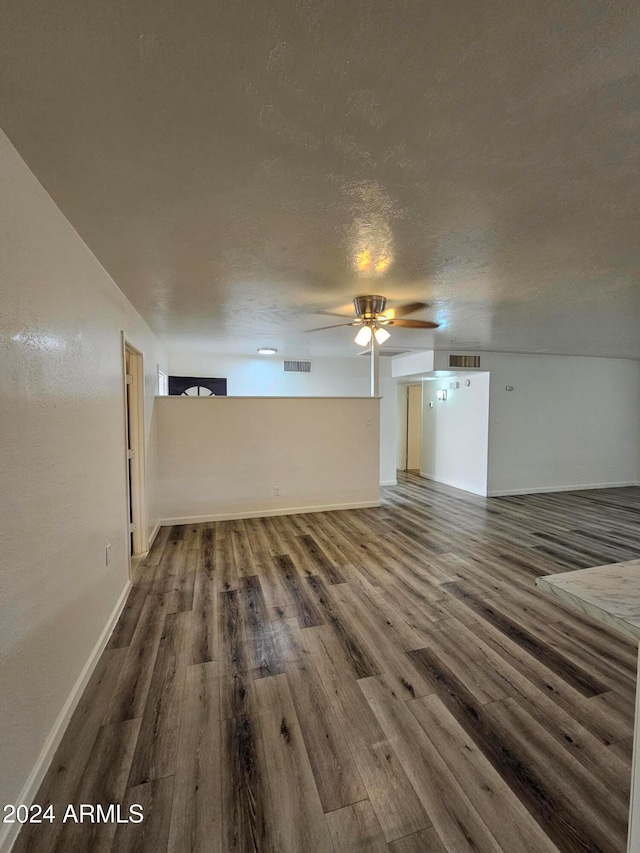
267 350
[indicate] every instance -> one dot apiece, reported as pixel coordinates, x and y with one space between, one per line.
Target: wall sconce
441 395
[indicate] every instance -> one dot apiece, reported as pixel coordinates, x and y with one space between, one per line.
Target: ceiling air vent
297 367
465 361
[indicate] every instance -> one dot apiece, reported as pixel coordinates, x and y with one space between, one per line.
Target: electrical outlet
107 554
276 490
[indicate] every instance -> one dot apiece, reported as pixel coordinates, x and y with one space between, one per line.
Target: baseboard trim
154 533
388 482
266 513
536 490
28 794
451 484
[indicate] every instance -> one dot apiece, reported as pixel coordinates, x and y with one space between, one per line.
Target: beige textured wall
264 376
223 456
62 469
455 432
569 423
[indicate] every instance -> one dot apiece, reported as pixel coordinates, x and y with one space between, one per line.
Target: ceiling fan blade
404 310
337 325
413 324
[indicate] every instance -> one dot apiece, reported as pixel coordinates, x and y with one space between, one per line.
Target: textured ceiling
240 167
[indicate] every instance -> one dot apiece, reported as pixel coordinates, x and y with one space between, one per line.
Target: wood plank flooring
372 680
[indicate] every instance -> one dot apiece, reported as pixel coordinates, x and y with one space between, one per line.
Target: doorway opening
135 450
412 429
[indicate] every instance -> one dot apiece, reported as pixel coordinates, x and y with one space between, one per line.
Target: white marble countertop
610 594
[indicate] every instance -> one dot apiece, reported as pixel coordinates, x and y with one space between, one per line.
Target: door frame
136 486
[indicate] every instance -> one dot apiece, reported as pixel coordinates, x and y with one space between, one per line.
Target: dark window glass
196 386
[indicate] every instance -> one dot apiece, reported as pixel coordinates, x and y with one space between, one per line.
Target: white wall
570 422
388 427
223 456
415 362
455 432
62 484
401 427
264 376
330 377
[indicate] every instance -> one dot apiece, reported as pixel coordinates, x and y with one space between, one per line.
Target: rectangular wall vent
297 367
466 361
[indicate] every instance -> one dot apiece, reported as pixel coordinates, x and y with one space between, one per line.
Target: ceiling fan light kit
364 336
381 334
370 314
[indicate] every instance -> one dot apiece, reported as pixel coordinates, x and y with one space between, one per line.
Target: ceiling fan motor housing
368 307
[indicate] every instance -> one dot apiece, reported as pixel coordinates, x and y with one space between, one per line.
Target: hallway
382 679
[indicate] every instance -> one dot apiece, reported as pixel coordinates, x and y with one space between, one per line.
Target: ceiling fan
372 317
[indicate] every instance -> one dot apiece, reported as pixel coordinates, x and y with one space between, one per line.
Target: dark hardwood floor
373 680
